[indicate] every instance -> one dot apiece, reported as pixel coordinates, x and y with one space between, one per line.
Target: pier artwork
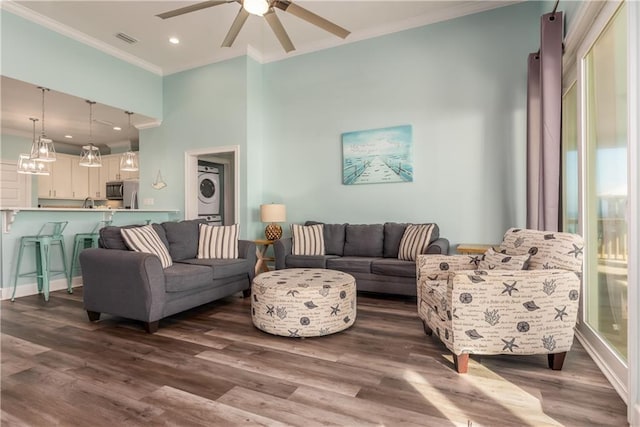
377 156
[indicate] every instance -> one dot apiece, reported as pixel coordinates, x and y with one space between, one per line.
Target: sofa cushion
415 241
111 238
145 239
364 240
308 261
393 233
218 241
351 264
222 267
183 238
307 239
183 277
333 237
394 267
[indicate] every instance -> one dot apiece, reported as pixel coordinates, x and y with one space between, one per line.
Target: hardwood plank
288 411
207 412
211 366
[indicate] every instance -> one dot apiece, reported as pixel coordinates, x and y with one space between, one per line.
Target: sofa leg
427 329
461 362
556 360
246 293
94 316
151 327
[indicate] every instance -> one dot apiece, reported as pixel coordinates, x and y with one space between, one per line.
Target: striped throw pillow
415 241
218 241
145 239
307 239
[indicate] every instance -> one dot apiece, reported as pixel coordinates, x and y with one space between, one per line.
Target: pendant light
90 156
43 150
26 164
129 160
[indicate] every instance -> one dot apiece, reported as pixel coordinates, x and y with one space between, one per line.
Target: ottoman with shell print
303 302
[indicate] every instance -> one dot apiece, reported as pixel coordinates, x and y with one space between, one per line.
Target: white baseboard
32 288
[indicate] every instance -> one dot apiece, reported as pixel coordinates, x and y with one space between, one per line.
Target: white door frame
191 179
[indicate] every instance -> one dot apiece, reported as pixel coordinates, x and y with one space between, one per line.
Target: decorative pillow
307 239
218 241
492 260
145 239
415 241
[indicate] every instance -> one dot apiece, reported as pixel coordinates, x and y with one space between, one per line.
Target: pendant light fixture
90 156
43 150
129 160
26 164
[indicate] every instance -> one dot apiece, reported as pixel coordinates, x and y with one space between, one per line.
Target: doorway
227 159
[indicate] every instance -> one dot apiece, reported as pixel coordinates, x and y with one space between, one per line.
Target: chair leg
94 316
65 264
151 327
74 264
461 362
427 329
39 273
556 360
45 256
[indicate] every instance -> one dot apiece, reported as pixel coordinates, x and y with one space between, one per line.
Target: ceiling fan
264 8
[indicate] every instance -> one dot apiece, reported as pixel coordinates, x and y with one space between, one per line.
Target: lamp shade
273 213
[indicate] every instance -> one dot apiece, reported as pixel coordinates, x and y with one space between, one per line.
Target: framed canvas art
377 155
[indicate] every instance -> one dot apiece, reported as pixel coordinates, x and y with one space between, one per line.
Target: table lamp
273 213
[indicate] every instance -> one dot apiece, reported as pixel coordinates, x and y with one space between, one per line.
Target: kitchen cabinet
58 184
69 180
79 179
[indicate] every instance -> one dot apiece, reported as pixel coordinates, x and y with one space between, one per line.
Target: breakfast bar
18 222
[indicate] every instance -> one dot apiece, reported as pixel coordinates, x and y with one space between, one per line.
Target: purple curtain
544 104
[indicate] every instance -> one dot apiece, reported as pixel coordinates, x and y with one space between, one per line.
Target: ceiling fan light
256 7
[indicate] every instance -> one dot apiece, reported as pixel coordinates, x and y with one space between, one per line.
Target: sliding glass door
605 183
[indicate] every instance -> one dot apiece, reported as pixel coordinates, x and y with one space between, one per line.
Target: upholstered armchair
489 304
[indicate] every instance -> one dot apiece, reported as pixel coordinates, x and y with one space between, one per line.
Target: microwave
127 191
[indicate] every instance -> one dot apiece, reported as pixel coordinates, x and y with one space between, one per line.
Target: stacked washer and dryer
210 192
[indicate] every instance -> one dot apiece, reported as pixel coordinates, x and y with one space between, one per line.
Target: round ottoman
303 302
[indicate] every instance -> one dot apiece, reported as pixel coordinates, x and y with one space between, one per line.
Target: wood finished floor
210 367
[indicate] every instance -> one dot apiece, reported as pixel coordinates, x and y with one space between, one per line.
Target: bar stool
49 235
80 242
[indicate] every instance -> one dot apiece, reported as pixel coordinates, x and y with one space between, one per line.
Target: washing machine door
208 194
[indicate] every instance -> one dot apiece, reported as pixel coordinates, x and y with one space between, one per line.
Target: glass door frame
608 360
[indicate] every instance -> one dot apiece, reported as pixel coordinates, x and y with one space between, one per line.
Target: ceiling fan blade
311 18
235 27
279 31
192 8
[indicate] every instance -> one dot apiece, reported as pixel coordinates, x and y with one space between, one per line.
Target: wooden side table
262 246
473 248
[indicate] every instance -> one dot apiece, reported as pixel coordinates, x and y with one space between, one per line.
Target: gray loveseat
134 284
367 252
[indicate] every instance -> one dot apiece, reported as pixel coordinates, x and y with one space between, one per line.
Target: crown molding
37 18
149 125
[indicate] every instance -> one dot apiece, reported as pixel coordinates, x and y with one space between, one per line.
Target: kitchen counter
9 214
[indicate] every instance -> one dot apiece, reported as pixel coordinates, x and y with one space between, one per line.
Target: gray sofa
134 285
367 252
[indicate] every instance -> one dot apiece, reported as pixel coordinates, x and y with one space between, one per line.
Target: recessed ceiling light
117 128
174 40
68 136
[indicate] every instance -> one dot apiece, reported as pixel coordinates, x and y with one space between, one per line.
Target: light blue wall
34 54
461 84
203 108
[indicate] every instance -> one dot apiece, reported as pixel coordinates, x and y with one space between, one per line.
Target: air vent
126 38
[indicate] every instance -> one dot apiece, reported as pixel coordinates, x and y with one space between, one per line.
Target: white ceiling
201 34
